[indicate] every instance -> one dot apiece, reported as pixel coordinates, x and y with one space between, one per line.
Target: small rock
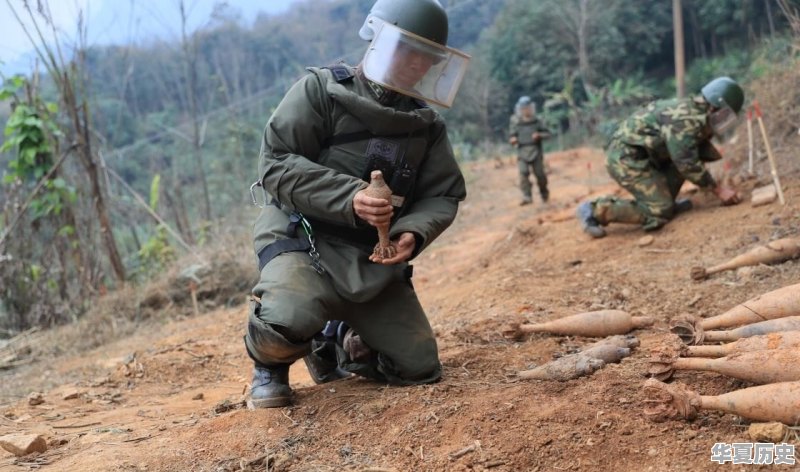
22 418
645 240
35 398
72 394
199 396
23 444
55 442
768 432
99 381
652 452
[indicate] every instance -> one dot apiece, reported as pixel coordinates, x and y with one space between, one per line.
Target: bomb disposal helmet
408 50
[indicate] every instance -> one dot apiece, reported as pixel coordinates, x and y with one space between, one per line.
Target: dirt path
170 398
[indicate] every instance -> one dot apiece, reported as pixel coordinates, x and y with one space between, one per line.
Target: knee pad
267 346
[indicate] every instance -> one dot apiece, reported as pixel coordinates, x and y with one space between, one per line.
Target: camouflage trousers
296 302
531 158
653 189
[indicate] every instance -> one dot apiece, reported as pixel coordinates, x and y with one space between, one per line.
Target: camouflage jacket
675 130
523 129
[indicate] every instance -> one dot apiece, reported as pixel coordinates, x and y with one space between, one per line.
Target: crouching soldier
323 295
658 147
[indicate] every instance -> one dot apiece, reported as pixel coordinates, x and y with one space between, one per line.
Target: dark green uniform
313 158
651 154
529 153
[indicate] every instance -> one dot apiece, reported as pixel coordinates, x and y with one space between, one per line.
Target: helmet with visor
408 51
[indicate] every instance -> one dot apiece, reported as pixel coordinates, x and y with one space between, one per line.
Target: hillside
169 397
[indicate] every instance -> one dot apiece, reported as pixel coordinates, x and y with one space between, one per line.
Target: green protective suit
530 157
305 169
651 154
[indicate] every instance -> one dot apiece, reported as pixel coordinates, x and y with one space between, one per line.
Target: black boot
682 205
590 225
321 362
270 387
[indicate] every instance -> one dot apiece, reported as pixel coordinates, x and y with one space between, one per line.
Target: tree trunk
583 46
98 197
680 71
770 19
80 260
697 35
190 55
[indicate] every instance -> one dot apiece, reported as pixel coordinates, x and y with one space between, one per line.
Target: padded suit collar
380 119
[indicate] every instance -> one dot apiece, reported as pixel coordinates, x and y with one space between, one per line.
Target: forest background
127 168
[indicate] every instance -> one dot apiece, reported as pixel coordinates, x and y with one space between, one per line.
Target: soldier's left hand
536 136
405 244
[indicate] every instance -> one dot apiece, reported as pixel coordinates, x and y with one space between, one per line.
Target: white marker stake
771 157
750 141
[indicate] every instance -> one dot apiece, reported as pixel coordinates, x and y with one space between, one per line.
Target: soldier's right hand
727 195
375 211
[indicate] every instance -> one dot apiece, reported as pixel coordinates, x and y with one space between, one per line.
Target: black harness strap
279 247
294 243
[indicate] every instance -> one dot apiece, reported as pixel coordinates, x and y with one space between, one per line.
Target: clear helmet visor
723 121
414 66
526 110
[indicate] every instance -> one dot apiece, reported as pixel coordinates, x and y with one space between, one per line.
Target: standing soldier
658 147
526 132
323 295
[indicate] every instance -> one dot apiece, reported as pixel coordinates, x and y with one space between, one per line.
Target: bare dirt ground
169 398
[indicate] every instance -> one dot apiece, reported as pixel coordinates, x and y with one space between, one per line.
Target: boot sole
276 402
333 374
596 234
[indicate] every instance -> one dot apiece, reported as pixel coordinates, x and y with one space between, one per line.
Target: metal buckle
313 249
253 198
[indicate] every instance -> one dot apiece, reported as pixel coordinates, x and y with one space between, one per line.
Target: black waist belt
361 236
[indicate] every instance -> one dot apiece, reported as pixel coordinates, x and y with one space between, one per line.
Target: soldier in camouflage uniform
658 147
323 295
526 132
